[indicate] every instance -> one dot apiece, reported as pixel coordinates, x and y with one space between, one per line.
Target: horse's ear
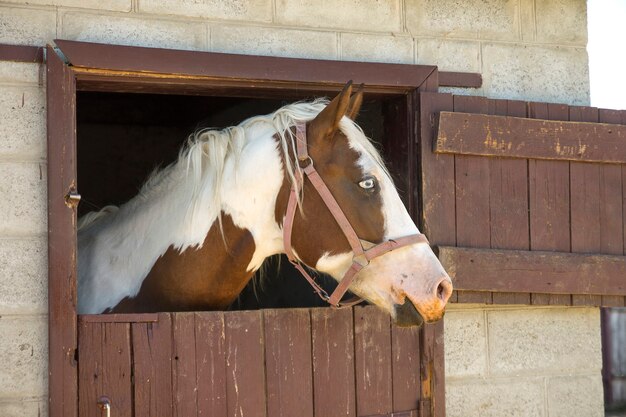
327 121
355 103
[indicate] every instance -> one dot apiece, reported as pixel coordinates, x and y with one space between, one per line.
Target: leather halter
362 256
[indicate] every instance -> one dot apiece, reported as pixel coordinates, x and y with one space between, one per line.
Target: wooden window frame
78 66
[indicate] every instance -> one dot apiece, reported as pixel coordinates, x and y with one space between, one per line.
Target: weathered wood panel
333 362
534 271
405 361
549 200
288 362
517 137
152 367
472 174
372 353
184 364
211 364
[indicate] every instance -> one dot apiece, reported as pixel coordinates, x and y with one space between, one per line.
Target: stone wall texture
508 362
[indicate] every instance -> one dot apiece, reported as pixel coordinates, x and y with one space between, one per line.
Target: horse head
409 282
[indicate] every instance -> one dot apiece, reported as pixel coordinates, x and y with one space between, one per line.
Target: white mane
177 205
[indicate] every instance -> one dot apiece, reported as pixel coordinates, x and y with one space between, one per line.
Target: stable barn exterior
510 347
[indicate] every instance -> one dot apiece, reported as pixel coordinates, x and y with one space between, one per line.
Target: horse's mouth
407 315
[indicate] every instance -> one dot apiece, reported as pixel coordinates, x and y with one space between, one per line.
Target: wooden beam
516 137
21 53
460 79
534 271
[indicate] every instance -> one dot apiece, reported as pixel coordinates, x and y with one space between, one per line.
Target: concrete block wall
525 49
532 361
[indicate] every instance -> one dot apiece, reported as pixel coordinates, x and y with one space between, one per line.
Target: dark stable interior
123 137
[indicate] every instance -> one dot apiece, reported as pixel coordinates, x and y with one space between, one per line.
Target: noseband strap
361 257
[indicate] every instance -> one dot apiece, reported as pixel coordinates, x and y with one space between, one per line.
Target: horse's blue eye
367 183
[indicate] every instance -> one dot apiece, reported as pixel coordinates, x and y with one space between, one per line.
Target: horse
303 181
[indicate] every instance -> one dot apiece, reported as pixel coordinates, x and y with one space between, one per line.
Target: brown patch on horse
206 278
317 232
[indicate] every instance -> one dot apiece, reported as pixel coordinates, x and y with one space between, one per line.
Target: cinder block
276 42
449 54
465 343
377 48
531 341
539 73
251 10
119 29
484 19
24 356
576 396
21 72
362 16
562 21
23 122
25 408
502 398
25 26
23 276
116 5
23 206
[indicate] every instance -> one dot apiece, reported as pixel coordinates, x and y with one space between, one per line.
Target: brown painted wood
211 364
152 367
288 362
184 364
585 202
21 53
245 367
472 175
437 173
393 77
332 336
439 391
116 368
534 271
549 200
61 178
372 352
119 318
516 137
405 360
508 200
432 401
90 370
460 79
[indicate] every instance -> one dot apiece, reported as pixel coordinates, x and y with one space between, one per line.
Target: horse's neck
117 252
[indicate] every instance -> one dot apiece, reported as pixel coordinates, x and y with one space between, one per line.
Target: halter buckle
305 161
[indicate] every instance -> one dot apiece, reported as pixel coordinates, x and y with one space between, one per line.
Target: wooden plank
211 364
472 196
333 362
21 53
405 359
393 77
439 377
61 178
245 364
184 364
90 370
437 172
116 368
460 79
288 363
372 353
119 318
534 271
432 403
152 367
585 202
508 200
549 200
516 137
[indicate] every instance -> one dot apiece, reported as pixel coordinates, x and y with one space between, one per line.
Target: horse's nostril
444 290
